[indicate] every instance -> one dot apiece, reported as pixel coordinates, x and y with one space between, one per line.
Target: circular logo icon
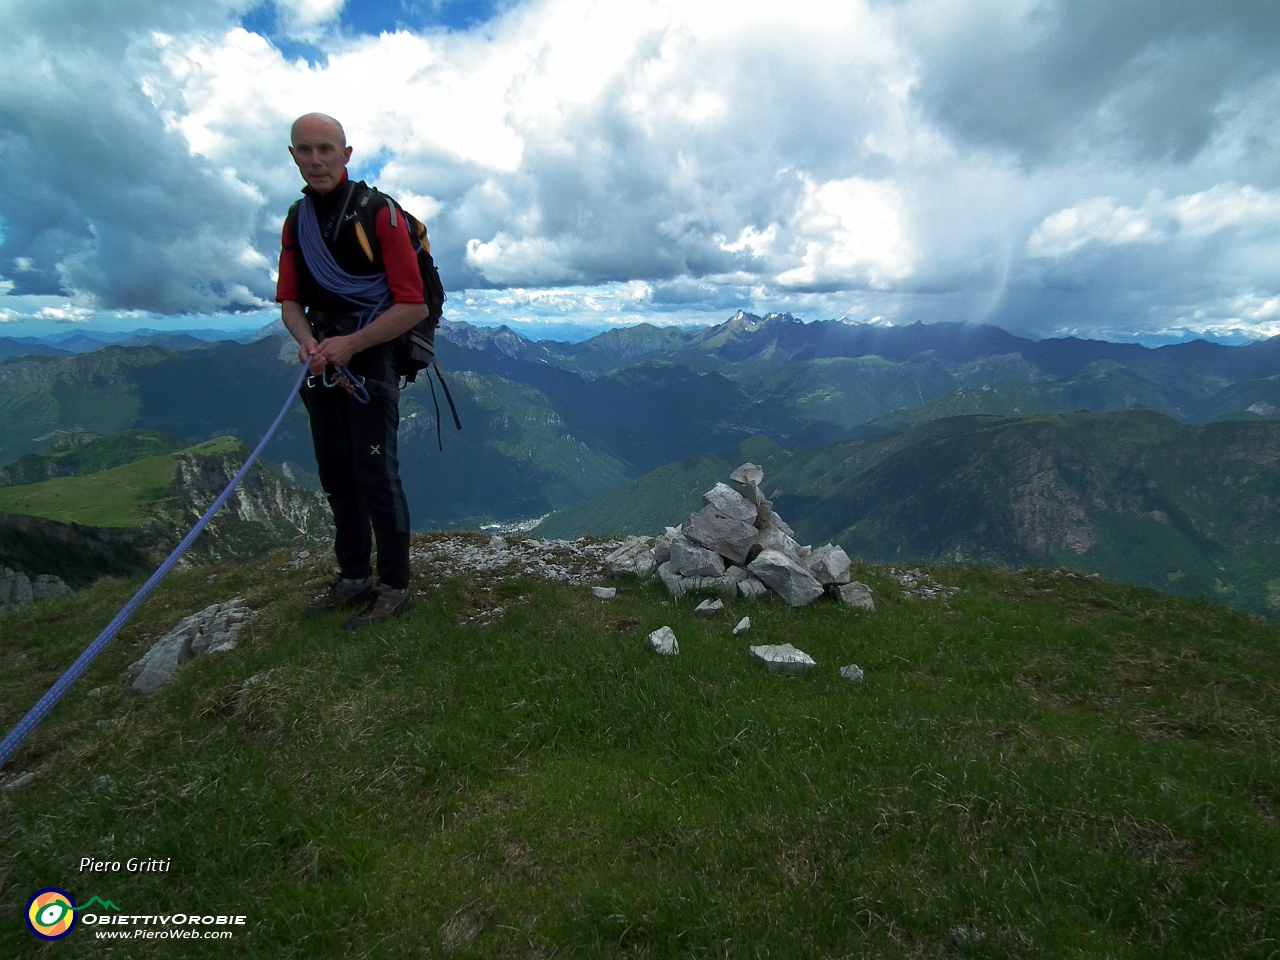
50 914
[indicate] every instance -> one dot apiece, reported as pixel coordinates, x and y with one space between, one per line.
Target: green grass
1045 765
113 498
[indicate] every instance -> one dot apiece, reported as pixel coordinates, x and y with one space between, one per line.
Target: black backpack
415 349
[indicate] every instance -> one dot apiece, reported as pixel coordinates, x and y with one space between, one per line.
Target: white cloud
1201 214
852 233
925 159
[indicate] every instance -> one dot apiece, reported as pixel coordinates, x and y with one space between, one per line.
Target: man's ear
346 155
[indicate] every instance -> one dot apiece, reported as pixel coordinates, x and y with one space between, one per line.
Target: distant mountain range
550 424
1134 495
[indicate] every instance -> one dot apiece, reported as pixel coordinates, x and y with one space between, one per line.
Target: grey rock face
632 558
852 673
709 608
856 595
737 574
15 588
47 586
782 658
751 587
212 630
794 584
772 537
663 642
746 480
605 593
726 536
689 560
497 543
828 564
729 503
662 546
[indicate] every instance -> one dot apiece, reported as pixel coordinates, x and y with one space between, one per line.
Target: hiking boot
386 603
342 593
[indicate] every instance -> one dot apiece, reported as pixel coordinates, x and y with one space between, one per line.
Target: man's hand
333 351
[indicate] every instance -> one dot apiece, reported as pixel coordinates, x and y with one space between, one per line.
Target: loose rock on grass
663 642
783 658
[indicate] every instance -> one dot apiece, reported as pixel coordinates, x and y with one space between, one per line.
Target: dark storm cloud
105 202
1146 81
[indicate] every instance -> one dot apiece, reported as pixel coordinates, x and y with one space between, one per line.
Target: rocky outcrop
265 511
17 589
212 630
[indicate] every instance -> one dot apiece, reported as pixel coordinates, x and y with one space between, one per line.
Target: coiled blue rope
371 293
10 744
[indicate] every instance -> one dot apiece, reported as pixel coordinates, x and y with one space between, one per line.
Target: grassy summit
1043 764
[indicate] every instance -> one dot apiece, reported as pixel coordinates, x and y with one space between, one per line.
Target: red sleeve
287 281
398 258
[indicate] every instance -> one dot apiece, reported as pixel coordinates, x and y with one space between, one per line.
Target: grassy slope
113 498
77 457
1046 765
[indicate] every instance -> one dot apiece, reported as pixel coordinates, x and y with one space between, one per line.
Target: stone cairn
737 545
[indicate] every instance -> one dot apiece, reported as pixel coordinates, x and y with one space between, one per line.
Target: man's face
320 155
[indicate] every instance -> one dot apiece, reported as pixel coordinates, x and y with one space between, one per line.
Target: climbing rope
10 744
371 293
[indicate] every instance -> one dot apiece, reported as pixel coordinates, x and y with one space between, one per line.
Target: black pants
355 448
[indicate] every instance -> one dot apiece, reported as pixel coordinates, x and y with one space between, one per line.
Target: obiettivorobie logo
51 914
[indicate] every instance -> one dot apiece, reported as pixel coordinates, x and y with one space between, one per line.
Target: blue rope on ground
9 746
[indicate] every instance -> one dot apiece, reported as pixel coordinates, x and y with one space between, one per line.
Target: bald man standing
351 394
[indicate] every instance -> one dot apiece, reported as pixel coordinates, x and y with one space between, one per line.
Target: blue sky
1052 166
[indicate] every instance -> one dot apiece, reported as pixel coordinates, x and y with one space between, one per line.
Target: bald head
310 125
319 148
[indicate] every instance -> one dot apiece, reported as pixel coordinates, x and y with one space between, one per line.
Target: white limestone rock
852 673
828 564
750 588
790 581
497 543
726 536
690 560
709 608
678 586
662 546
856 595
663 642
605 593
729 503
782 658
742 627
671 580
746 480
212 630
631 558
774 538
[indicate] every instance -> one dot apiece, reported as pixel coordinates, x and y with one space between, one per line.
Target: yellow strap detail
364 242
